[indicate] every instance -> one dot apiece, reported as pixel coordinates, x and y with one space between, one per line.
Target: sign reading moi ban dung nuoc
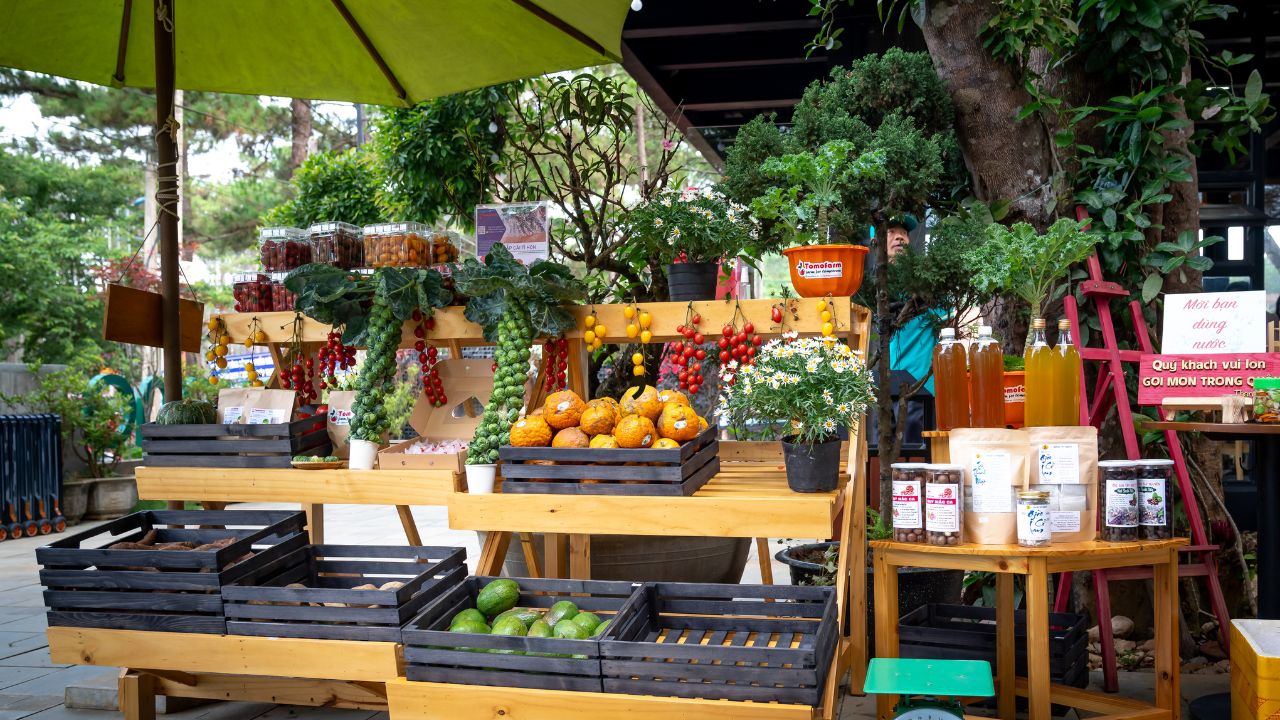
1204 323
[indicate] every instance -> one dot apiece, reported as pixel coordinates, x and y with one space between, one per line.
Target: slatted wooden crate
610 471
88 585
233 446
329 607
964 632
433 654
765 643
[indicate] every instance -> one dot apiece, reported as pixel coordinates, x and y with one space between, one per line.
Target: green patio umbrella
384 52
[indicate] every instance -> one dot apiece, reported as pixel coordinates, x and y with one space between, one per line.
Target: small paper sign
1181 376
1226 322
525 228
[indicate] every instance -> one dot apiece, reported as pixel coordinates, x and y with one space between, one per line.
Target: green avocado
540 628
510 626
588 621
470 614
498 597
526 615
563 610
570 630
600 629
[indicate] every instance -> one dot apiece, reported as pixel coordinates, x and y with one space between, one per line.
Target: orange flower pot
1015 393
820 270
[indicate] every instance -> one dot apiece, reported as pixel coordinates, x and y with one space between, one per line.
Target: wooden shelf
746 500
359 487
429 701
230 654
1059 557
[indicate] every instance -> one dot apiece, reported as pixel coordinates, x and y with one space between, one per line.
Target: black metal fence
30 475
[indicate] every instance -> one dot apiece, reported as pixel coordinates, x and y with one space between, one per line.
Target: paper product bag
996 463
231 405
338 422
269 407
1064 462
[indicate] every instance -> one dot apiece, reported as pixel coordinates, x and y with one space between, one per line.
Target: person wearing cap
911 348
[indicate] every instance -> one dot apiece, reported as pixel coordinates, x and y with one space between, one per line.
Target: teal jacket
911 348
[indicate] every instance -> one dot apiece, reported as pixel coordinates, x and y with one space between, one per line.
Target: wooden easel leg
766 563
530 555
1006 647
553 555
1039 704
886 609
315 522
493 554
1102 608
580 556
410 527
137 695
1165 584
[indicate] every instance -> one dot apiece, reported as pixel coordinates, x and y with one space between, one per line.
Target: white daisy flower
829 425
826 397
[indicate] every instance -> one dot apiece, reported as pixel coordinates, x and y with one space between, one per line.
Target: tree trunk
888 440
300 124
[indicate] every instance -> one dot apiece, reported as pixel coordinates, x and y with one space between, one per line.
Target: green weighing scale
935 683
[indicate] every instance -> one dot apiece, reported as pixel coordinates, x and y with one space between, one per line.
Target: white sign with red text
1225 322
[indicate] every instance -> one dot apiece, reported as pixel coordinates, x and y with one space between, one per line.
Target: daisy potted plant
692 231
816 386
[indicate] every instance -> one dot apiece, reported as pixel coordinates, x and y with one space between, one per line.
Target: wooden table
311 488
1267 463
1036 564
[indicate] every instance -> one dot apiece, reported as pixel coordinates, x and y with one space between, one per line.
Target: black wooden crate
329 607
965 632
431 654
234 446
87 585
612 471
731 642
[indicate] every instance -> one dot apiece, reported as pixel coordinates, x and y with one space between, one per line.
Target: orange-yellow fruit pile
643 418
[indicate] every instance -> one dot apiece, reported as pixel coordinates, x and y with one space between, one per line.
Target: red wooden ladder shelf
1109 391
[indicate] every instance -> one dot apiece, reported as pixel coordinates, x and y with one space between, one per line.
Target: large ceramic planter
1015 394
916 586
111 497
821 270
646 558
692 281
811 468
75 499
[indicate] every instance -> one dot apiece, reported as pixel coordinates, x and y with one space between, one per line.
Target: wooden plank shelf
741 500
360 487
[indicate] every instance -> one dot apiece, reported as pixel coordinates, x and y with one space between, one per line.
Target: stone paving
31 686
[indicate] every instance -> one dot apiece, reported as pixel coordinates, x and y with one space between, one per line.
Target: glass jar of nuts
399 244
1155 506
908 502
1117 500
944 504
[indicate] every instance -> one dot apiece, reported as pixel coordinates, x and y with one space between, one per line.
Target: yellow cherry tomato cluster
256 334
637 362
828 320
595 333
219 347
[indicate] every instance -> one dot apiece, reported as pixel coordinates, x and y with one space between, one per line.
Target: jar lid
281 233
1033 495
1266 383
909 466
326 228
1116 463
1155 461
395 227
937 466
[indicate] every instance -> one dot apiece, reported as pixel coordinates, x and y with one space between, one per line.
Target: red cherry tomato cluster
739 342
428 355
300 377
334 355
688 356
555 353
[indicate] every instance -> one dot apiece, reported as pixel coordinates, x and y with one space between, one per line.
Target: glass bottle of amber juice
1039 377
950 381
986 390
1066 378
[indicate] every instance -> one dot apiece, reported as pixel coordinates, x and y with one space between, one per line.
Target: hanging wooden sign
1189 376
133 316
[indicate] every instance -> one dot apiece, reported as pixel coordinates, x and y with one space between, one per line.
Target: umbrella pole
167 194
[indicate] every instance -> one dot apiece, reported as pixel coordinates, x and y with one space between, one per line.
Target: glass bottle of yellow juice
950 381
1039 377
1066 378
986 389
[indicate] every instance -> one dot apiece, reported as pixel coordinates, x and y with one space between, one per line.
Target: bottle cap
1064 324
984 329
1037 323
947 332
1033 494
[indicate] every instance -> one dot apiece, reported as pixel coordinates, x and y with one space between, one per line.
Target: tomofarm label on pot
817 270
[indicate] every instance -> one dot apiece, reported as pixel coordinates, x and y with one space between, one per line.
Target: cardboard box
468 385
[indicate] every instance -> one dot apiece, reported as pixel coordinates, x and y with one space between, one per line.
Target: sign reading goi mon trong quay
1180 376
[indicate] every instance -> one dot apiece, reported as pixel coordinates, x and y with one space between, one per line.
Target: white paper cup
363 454
480 478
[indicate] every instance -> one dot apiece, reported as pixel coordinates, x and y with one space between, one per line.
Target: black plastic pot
917 587
692 281
811 468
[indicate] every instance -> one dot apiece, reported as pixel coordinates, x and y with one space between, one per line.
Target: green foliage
433 156
1166 257
701 225
757 141
332 186
501 283
1030 264
815 384
940 280
90 418
342 298
809 197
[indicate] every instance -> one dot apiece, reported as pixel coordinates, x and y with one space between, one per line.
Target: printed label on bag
1059 463
992 481
232 415
1122 503
340 416
267 416
1064 522
906 505
942 507
1152 502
